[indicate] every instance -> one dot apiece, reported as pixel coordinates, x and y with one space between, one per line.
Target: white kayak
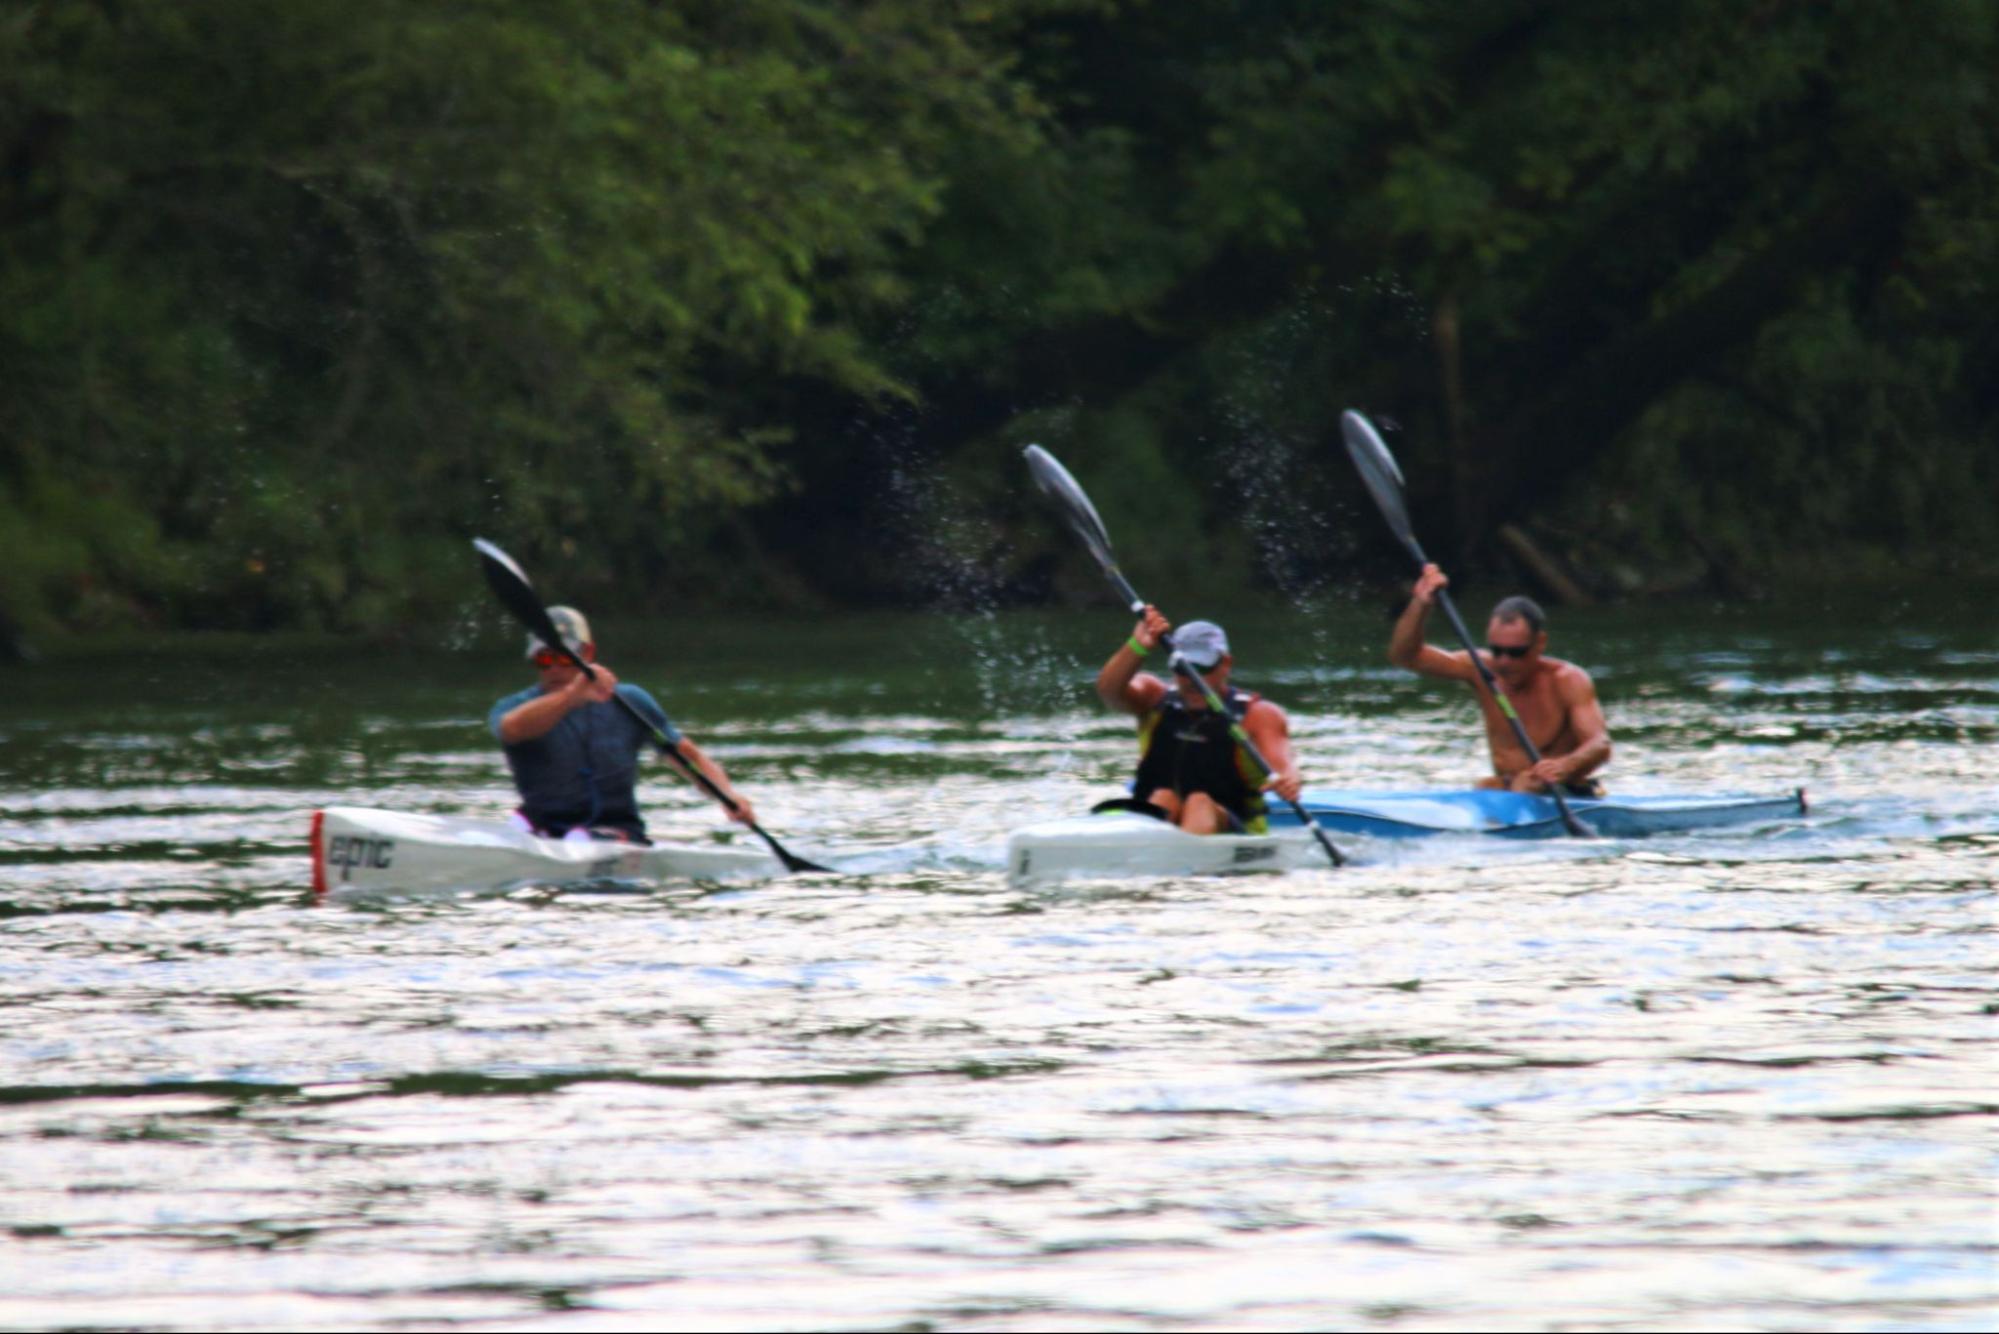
1121 843
356 850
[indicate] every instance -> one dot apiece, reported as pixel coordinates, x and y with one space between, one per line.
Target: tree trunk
1458 472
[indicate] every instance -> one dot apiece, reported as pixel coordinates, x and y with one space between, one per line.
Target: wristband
1138 648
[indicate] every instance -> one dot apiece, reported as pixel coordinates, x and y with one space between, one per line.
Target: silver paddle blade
500 558
1383 478
511 586
1054 479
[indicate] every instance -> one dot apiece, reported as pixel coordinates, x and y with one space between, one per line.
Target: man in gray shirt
574 753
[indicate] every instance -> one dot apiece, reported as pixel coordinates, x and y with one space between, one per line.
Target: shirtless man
1556 700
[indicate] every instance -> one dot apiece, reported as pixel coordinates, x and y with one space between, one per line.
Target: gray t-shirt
583 772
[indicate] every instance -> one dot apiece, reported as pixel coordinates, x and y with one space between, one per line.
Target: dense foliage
757 298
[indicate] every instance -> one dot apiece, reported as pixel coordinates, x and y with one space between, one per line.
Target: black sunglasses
1509 650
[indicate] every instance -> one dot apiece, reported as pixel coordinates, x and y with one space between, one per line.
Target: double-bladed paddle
1068 495
513 589
1384 483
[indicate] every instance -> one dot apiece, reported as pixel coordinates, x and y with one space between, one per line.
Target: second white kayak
1119 843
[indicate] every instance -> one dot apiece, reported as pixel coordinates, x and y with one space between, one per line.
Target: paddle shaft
1215 702
693 770
659 738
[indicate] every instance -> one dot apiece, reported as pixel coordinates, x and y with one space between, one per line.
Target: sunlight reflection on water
1741 1079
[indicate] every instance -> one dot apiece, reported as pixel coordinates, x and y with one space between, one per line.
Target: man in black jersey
1190 767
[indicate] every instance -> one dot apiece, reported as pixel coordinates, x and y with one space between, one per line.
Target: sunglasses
547 658
1509 650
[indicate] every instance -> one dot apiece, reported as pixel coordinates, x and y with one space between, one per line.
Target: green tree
293 296
1535 235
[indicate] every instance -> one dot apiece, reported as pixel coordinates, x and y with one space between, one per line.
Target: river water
1745 1079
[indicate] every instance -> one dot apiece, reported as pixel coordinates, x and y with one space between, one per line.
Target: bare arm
716 774
1121 685
1271 731
1406 646
538 717
1585 720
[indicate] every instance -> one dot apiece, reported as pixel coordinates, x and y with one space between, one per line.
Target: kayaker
1556 700
574 753
1189 766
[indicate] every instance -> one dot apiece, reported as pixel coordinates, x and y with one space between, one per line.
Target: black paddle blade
790 860
1054 479
1383 478
515 593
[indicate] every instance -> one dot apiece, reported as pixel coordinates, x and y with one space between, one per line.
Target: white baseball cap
1201 643
569 623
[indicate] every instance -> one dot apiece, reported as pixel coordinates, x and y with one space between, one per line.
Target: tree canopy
757 299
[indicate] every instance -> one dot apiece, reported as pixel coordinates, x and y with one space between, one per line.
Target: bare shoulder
1262 712
1571 680
1446 664
1145 691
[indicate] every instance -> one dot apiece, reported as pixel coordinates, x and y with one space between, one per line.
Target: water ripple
1739 1080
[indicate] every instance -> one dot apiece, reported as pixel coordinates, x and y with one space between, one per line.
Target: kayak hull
357 850
1119 843
1524 815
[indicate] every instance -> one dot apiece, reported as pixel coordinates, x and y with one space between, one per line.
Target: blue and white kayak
1522 815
